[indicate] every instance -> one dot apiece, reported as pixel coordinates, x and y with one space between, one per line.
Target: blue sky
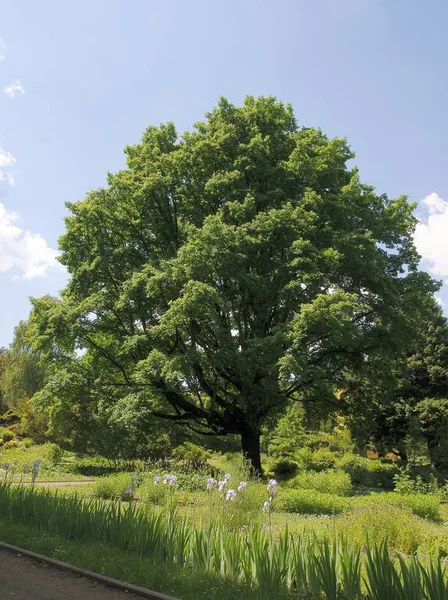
80 80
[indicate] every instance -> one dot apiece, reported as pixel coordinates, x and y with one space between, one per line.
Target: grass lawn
185 584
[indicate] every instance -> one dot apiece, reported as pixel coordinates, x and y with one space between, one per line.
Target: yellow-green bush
6 435
316 460
309 502
423 505
112 487
368 473
330 482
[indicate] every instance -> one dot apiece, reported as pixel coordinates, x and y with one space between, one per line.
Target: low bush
284 468
403 530
406 483
6 435
191 456
152 494
55 455
113 487
317 460
11 444
368 473
423 505
309 502
330 482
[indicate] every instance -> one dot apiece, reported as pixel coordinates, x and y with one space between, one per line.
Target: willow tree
232 268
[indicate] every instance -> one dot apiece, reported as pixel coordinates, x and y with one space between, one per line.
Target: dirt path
22 578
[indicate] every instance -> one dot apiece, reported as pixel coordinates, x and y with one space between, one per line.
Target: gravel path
23 578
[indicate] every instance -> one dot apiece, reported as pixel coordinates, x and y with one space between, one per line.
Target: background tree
23 373
2 368
412 393
227 271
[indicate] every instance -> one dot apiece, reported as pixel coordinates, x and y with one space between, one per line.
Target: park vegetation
238 304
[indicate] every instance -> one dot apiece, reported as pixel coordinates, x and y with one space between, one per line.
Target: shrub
309 502
11 444
284 468
112 487
289 434
368 473
330 481
422 505
55 454
317 460
404 531
152 494
7 435
405 483
159 448
191 456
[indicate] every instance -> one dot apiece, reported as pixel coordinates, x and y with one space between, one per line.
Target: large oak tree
231 268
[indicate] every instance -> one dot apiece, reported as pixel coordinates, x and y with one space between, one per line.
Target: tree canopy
21 372
228 270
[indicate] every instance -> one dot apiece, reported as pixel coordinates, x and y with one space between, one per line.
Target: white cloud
14 89
431 235
2 50
21 251
7 177
7 161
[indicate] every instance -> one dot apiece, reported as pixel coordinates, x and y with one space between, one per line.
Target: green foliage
422 505
390 412
55 454
112 487
405 483
3 406
271 567
33 421
6 435
188 584
433 416
331 436
191 456
224 272
330 482
310 502
368 473
11 444
283 468
22 371
372 522
317 460
289 433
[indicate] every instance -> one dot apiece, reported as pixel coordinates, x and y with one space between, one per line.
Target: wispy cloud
7 177
13 89
22 253
6 159
7 162
431 237
2 50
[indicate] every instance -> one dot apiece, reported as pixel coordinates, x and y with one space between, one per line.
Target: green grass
100 558
329 482
261 562
310 502
26 454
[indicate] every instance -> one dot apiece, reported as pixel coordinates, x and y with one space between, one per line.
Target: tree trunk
250 444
